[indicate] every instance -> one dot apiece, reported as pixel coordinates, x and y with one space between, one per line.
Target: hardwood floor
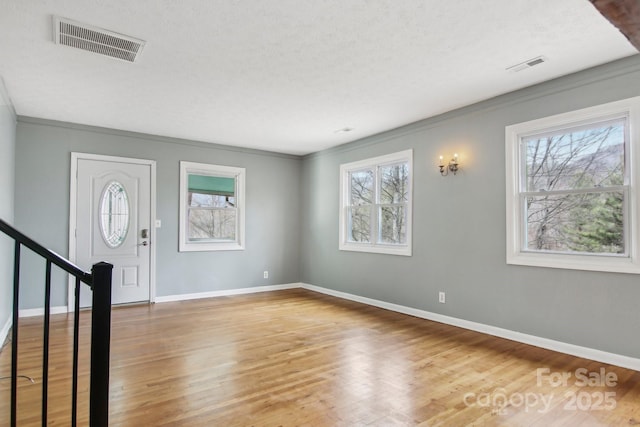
295 357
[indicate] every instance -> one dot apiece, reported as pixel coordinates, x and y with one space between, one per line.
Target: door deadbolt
144 233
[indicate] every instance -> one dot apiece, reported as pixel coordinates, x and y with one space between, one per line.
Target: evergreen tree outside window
571 197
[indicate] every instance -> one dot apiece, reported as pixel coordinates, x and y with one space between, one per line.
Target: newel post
100 345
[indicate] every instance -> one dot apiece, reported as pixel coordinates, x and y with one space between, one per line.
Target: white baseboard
226 292
5 329
572 349
561 347
32 312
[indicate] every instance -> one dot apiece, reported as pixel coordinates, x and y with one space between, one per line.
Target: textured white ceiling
284 75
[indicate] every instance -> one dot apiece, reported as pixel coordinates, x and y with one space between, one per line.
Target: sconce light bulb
452 166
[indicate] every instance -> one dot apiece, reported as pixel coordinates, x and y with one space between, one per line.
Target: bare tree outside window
375 204
574 195
211 217
394 188
361 203
389 204
572 189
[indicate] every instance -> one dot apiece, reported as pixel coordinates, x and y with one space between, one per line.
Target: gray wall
459 225
43 152
292 218
7 149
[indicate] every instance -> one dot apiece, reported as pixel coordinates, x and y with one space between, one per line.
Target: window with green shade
211 207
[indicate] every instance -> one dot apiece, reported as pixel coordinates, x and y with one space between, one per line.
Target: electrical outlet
441 297
266 274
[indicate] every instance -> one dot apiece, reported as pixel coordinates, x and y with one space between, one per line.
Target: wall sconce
451 167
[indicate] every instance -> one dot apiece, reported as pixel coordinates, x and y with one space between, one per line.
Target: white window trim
344 244
187 168
515 221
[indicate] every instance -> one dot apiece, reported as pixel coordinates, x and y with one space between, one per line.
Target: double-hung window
375 204
572 189
211 207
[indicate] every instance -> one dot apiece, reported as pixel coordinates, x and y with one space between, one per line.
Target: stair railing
99 280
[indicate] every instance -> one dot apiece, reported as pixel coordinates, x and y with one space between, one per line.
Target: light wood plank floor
295 357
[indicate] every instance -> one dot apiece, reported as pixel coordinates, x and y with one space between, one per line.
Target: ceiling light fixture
343 130
527 64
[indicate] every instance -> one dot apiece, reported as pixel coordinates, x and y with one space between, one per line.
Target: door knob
144 243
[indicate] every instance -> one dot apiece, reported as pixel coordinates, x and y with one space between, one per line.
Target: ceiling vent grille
527 64
96 40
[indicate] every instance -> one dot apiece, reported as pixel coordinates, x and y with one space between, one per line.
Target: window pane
361 187
394 184
211 200
589 223
359 224
114 214
211 224
576 158
393 228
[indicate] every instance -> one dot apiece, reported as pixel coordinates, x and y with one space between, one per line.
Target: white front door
113 219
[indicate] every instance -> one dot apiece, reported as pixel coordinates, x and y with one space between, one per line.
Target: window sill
377 249
210 247
612 264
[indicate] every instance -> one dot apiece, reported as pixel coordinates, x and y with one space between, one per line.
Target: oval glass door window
114 214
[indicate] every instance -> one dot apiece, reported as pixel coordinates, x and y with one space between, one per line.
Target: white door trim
73 220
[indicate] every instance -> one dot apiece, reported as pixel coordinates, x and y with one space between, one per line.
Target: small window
114 214
211 207
570 191
375 204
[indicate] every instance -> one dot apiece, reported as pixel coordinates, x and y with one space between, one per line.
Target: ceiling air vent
96 40
527 64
